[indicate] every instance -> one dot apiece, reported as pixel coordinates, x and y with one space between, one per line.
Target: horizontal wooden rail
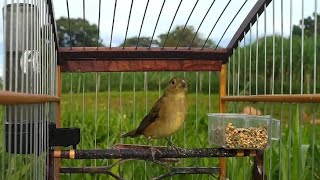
12 98
129 59
293 98
140 65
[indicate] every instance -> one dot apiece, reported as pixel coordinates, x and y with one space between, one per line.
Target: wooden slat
293 98
139 65
222 105
11 98
131 53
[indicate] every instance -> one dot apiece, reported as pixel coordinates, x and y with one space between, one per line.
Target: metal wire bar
257 53
120 104
233 73
245 65
145 84
84 22
113 19
16 90
10 84
209 91
272 83
128 23
69 32
238 72
4 86
265 50
174 17
204 17
290 91
134 114
22 87
225 7
83 114
98 33
281 111
301 90
142 21
230 24
155 27
184 27
108 107
250 60
314 85
96 116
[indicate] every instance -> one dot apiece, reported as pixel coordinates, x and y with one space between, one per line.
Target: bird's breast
172 118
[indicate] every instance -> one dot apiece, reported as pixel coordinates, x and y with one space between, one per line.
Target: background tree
188 35
185 41
143 42
82 33
308 26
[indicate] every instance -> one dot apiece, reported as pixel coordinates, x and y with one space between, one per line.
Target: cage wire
272 69
30 64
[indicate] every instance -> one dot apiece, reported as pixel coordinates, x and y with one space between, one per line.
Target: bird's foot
179 150
153 152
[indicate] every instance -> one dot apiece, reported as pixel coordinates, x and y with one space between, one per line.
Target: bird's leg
174 146
153 150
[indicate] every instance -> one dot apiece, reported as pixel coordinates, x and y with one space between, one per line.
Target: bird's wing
150 117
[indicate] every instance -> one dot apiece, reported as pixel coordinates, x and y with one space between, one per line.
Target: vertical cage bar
108 118
245 64
96 118
314 85
257 52
238 72
4 87
222 109
145 84
16 166
134 115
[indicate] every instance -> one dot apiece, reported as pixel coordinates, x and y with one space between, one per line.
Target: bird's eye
173 82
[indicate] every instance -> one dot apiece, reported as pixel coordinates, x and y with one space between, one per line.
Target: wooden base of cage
160 155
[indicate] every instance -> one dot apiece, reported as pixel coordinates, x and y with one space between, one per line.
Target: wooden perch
144 153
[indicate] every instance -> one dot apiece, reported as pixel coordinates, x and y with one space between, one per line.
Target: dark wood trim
139 65
131 53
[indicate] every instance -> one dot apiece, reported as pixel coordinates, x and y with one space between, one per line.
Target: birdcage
77 75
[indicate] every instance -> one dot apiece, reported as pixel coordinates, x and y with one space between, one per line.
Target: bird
167 115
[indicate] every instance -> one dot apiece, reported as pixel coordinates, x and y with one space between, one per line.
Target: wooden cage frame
92 59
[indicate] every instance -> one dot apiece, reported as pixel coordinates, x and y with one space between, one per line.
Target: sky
170 6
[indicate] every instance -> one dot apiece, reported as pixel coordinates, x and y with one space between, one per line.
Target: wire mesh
29 63
275 56
281 44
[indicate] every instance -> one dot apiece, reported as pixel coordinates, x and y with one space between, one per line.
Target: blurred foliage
185 36
77 32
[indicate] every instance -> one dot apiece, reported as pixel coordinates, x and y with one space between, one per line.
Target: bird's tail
132 134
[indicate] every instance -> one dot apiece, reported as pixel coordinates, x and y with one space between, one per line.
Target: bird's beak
183 83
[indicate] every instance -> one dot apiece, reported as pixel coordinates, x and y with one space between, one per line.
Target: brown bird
167 115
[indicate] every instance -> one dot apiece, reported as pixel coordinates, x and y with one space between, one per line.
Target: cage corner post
55 167
222 108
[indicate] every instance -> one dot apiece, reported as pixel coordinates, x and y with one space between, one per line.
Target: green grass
96 120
